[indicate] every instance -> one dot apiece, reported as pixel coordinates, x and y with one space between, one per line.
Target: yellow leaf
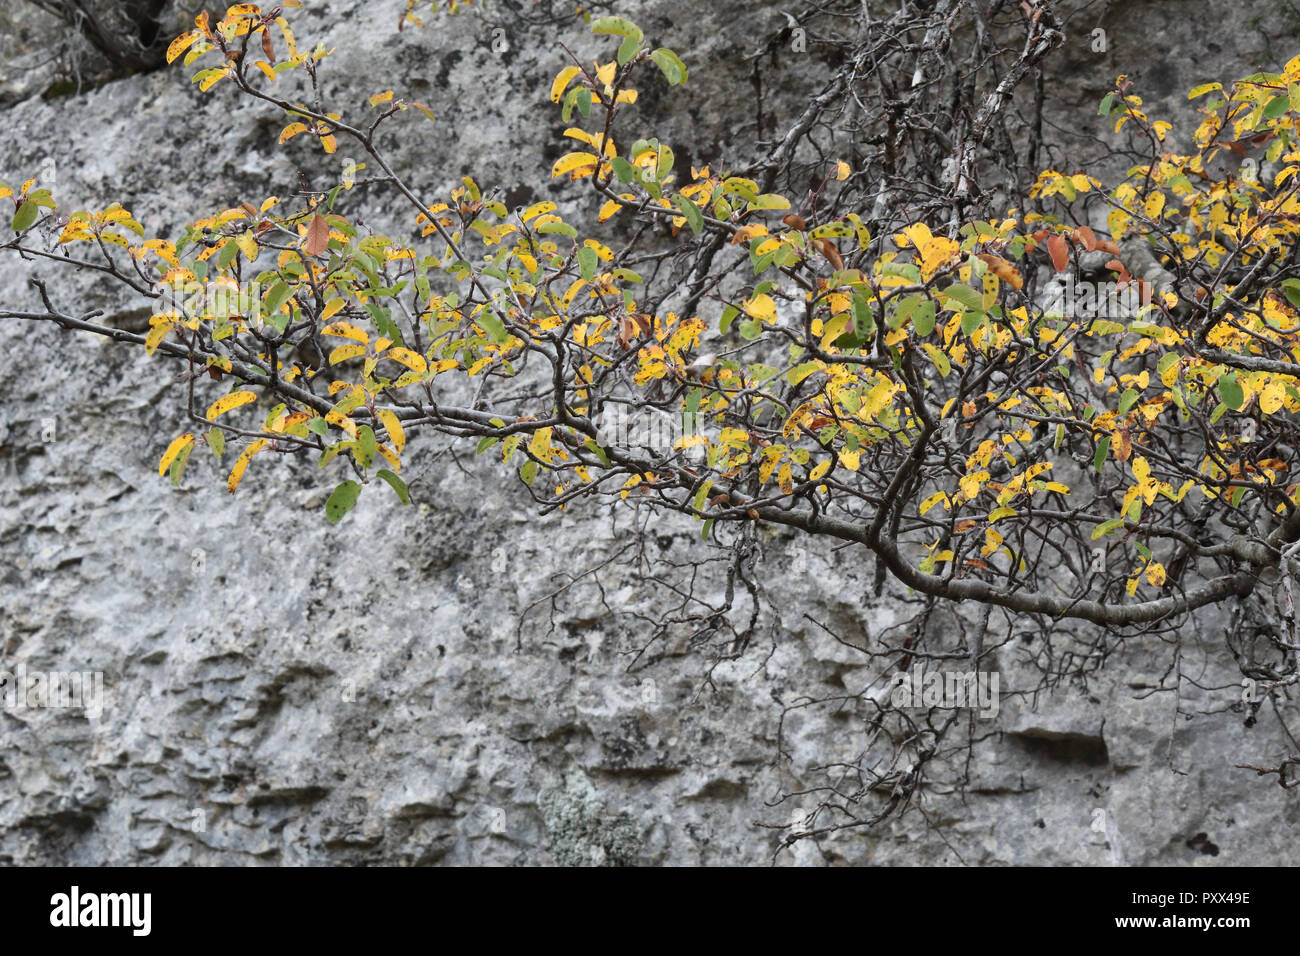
292 130
175 448
394 427
1272 397
1156 573
247 245
412 360
917 235
210 81
933 500
820 470
540 444
347 330
850 459
288 36
332 307
156 335
580 164
537 209
345 352
609 209
1141 470
761 307
241 465
562 80
226 402
970 484
181 44
339 420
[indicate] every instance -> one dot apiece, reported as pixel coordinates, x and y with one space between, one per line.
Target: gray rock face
280 690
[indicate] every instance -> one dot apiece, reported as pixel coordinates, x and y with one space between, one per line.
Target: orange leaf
1059 252
827 248
318 236
1002 269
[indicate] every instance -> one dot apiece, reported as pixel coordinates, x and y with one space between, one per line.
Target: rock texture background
284 691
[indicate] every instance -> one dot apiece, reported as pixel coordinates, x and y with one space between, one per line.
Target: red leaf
267 48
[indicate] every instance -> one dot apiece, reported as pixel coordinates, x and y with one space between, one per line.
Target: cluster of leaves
906 391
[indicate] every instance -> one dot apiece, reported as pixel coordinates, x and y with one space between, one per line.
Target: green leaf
495 328
701 496
923 317
178 466
397 484
1103 449
864 321
563 228
25 215
1276 107
1230 391
528 471
939 359
227 254
366 446
217 441
1291 288
341 501
673 69
587 260
1127 399
1106 527
595 449
276 297
628 49
971 321
694 219
966 296
624 170
616 26
799 373
728 316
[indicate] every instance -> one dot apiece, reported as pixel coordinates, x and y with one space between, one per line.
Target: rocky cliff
429 684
